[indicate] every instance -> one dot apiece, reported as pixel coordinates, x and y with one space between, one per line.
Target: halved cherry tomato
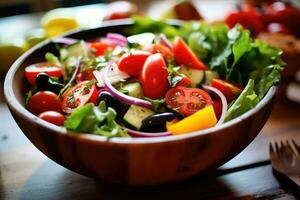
183 55
229 90
53 117
85 75
217 105
154 77
101 47
33 70
79 95
187 100
185 81
132 63
44 101
248 18
159 48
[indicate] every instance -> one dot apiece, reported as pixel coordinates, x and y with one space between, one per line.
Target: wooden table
25 173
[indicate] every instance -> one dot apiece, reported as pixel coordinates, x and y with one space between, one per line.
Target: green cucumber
142 39
134 89
135 115
78 49
210 75
196 75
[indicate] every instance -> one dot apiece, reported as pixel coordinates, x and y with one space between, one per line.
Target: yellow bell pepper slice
202 119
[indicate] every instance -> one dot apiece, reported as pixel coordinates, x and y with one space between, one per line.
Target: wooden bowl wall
136 161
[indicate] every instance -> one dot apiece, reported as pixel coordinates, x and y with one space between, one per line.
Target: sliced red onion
64 40
134 133
72 79
123 97
223 100
116 36
115 39
164 41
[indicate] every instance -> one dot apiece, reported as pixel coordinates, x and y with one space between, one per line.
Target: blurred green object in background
10 50
35 36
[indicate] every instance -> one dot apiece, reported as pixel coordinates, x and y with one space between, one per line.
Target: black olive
157 122
44 82
120 107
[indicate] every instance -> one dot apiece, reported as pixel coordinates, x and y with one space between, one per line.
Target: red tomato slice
217 105
132 63
159 48
53 117
185 81
79 95
183 55
229 90
85 75
33 70
100 48
154 77
187 100
44 101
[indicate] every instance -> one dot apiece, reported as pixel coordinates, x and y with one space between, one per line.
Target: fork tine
276 146
296 146
293 147
271 150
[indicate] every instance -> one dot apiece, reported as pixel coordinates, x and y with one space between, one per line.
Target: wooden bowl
135 161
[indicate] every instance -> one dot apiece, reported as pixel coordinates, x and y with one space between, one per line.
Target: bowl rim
14 104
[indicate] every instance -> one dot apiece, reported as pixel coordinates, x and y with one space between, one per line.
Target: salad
158 80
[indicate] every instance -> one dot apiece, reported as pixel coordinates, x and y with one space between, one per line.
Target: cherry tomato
217 105
248 19
100 48
79 95
229 90
185 81
159 48
44 101
53 117
187 100
284 14
85 75
278 28
185 10
120 10
183 55
132 63
154 77
33 70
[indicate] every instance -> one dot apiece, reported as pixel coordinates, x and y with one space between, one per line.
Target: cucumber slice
78 49
135 116
134 89
210 75
197 76
142 39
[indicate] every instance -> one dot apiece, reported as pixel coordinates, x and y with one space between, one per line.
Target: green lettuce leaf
247 100
95 119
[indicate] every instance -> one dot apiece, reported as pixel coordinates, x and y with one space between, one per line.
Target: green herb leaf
157 104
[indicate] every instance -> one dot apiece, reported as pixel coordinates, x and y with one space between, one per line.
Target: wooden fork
285 158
